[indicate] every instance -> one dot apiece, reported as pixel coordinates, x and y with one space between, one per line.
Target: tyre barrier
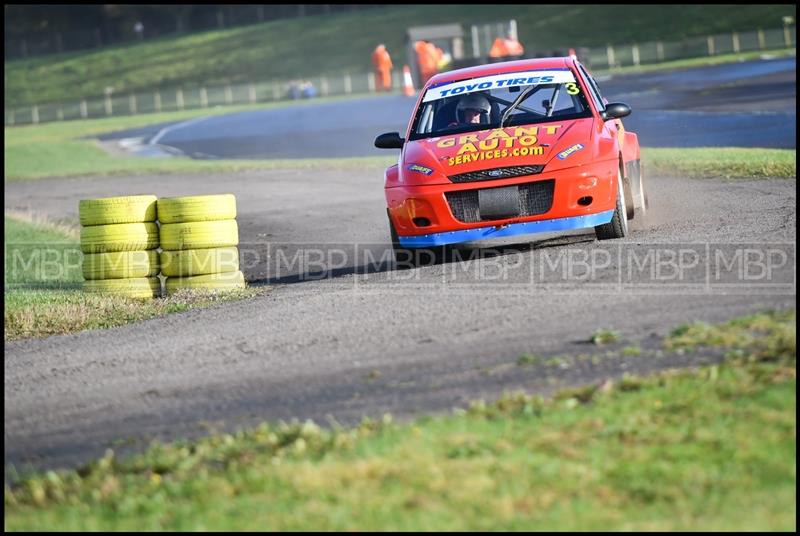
192 262
199 235
131 287
213 282
197 208
119 237
120 264
112 210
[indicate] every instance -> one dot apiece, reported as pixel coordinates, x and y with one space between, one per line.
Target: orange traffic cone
408 83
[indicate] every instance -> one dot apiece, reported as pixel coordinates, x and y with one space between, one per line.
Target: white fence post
35 114
787 36
179 98
710 41
228 94
735 39
132 103
60 113
252 94
348 85
324 86
109 105
635 54
610 56
84 110
476 47
660 51
371 82
761 40
203 97
157 101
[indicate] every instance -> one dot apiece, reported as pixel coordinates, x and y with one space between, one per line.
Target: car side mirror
390 140
616 110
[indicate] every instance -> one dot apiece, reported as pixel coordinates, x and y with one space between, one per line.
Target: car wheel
618 226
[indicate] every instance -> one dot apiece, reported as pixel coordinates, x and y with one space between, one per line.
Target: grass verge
43 293
710 449
727 162
58 150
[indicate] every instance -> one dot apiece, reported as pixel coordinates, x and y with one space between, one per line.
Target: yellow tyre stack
198 238
119 238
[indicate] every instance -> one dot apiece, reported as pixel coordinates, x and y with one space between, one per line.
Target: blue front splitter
492 231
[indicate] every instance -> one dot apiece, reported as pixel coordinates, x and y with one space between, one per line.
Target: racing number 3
572 88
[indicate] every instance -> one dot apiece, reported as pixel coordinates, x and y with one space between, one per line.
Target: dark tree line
39 29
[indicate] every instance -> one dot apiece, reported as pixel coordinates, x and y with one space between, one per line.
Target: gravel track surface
368 338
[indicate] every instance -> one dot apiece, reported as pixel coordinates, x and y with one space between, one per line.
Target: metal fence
636 54
174 99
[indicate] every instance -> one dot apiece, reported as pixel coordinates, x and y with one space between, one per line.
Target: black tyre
618 226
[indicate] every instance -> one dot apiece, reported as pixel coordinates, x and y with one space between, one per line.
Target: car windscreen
519 98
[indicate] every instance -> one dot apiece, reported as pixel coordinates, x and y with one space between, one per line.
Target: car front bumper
410 205
513 229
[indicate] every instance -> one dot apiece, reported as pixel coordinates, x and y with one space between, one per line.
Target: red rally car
512 148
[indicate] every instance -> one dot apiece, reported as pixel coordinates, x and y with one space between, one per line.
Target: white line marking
165 130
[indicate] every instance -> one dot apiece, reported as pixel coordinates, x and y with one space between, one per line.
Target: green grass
604 336
711 449
43 295
332 45
727 162
55 150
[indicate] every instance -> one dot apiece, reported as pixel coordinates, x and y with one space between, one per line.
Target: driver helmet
477 103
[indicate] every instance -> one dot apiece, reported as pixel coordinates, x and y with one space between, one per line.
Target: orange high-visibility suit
428 57
502 48
382 63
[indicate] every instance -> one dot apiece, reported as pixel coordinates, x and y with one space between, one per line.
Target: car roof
500 68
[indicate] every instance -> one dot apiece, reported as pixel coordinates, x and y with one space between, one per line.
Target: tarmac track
748 104
345 334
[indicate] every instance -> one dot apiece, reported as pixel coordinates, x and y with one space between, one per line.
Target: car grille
497 173
534 198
